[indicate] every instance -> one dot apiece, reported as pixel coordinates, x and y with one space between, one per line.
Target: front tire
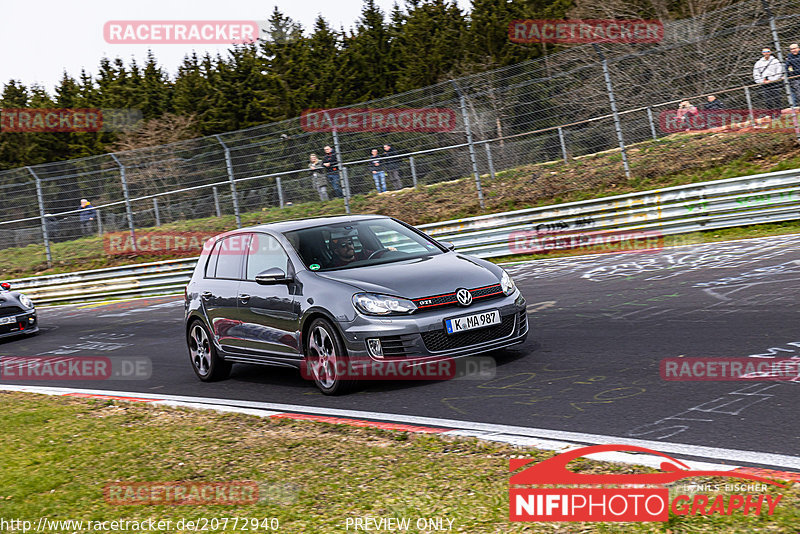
207 364
326 360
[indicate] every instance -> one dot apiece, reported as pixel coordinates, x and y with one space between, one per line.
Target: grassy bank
58 455
676 160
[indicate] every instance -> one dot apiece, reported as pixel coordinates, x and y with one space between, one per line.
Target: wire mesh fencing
556 108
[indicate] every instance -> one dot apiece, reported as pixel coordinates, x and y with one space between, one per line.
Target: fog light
30 320
375 349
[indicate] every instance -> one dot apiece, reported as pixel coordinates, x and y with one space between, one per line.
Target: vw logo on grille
464 297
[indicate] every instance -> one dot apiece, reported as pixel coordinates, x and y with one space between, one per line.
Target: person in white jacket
768 73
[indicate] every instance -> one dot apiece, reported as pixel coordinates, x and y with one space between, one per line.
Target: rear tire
207 364
326 359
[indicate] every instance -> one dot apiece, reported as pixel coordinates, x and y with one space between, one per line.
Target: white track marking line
699 451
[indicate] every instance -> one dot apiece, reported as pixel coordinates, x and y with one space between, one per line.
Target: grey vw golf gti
330 293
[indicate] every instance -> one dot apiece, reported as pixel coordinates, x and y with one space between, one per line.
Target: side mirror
448 245
6 286
272 276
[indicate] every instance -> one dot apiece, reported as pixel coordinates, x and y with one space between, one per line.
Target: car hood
421 277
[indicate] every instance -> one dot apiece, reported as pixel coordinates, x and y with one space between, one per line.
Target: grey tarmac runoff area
600 325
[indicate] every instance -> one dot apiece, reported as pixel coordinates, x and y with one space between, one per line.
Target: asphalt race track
600 325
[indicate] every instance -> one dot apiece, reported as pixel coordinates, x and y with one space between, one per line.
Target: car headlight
507 284
374 304
25 301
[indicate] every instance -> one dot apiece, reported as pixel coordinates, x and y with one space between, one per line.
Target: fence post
652 123
489 160
128 211
463 103
617 124
99 222
413 170
216 200
280 190
786 85
563 144
344 183
750 105
229 165
45 234
346 186
155 210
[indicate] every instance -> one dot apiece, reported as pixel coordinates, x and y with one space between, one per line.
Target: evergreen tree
430 45
156 90
286 70
193 93
323 67
16 148
365 58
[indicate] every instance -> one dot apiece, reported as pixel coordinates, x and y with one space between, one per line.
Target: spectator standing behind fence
378 174
767 72
392 166
713 104
87 215
686 112
332 170
317 178
793 72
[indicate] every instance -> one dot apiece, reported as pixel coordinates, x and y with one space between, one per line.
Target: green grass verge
57 455
675 160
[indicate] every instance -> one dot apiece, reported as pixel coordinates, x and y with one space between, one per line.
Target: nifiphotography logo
627 497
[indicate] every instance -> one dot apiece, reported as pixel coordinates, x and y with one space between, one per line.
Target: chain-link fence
582 100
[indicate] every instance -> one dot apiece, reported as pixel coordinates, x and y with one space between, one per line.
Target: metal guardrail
755 199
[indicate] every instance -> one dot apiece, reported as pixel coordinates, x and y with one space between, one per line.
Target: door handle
244 298
206 295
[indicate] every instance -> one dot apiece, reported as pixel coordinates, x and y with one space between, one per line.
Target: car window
232 250
211 266
265 252
359 244
391 237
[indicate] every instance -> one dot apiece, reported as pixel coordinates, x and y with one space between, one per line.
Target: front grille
397 346
485 291
449 299
440 340
5 311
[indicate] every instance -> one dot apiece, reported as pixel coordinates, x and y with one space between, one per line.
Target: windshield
358 244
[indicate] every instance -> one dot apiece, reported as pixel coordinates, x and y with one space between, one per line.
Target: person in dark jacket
793 72
331 165
87 215
714 104
392 166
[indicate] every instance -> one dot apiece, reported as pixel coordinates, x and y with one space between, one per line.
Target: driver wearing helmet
344 252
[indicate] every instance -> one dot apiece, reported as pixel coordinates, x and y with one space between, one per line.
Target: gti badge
464 297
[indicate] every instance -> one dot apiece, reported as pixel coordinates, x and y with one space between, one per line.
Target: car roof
299 224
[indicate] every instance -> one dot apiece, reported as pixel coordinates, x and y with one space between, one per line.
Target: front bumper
421 337
25 323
